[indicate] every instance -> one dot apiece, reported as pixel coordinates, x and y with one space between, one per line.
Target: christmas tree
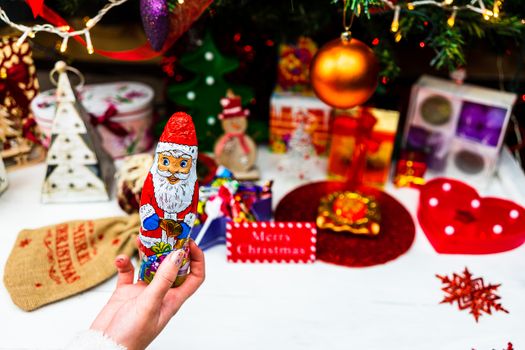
300 157
201 95
78 169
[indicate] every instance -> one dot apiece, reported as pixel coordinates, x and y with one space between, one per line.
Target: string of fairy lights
477 6
66 33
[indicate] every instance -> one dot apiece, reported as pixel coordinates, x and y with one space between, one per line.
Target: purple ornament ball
496 118
473 115
155 20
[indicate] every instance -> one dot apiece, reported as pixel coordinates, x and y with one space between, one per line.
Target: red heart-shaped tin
457 220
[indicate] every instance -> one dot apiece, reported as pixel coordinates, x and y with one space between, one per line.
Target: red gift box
347 135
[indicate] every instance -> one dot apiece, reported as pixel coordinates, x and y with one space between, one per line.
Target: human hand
136 313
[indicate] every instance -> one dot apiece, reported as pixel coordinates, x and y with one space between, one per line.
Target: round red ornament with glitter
397 227
351 209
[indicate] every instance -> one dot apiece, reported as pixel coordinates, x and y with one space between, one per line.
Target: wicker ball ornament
130 179
344 72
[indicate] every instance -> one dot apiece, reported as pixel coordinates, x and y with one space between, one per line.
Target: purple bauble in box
430 143
417 138
495 120
481 123
155 19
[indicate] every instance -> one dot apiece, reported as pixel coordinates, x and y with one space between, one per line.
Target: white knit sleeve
93 340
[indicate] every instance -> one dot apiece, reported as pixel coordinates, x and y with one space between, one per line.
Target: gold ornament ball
344 72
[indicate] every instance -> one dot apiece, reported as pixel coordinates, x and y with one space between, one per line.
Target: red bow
233 206
364 142
28 131
36 6
226 197
18 73
363 126
105 120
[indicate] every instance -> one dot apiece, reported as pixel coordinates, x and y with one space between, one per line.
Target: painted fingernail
176 257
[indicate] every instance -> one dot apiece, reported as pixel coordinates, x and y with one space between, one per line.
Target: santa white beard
174 198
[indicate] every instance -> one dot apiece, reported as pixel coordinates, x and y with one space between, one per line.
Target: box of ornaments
122 113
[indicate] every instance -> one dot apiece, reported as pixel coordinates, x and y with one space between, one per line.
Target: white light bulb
89 44
210 80
63 47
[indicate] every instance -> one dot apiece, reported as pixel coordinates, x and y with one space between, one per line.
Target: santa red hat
179 136
232 108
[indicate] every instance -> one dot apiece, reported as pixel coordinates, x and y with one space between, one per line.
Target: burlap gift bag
54 262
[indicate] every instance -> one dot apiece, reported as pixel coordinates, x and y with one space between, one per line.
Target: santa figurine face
176 168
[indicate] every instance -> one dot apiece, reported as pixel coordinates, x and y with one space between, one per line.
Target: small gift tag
290 242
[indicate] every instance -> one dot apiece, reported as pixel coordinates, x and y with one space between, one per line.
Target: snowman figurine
234 149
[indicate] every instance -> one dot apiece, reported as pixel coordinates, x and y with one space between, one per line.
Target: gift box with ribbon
225 200
288 109
122 113
293 69
370 129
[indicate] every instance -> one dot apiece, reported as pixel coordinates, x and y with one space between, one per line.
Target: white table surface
271 306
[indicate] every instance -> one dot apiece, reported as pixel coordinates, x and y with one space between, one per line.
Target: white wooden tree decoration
15 149
3 176
6 129
78 168
300 159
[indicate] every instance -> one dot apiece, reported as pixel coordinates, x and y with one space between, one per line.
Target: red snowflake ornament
471 293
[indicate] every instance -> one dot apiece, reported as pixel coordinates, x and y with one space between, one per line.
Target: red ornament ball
344 72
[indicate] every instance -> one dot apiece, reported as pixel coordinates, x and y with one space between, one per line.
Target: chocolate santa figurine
235 150
169 198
